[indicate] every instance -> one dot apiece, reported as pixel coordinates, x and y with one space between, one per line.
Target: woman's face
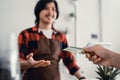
48 15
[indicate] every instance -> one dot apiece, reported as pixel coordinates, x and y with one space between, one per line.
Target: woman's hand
36 64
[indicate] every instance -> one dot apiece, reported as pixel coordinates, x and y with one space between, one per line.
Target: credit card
73 49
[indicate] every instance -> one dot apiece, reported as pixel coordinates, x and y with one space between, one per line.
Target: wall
110 22
15 15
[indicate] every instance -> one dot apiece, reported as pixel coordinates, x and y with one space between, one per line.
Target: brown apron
48 49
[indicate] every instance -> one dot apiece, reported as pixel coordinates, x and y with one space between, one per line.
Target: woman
41 46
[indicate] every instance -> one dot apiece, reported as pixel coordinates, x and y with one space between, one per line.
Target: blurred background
82 20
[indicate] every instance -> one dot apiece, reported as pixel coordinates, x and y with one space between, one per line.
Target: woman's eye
54 9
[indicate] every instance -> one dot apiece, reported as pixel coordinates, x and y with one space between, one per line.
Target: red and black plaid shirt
28 42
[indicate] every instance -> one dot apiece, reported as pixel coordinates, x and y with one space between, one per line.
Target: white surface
105 44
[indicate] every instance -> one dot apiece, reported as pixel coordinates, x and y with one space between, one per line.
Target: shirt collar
39 30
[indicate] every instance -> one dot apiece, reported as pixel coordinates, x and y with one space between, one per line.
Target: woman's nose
51 11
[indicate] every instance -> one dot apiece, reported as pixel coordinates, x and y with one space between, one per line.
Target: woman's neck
45 26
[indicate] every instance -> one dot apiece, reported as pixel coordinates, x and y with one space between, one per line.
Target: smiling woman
46 12
41 46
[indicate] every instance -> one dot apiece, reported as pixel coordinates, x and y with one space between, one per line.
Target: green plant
107 73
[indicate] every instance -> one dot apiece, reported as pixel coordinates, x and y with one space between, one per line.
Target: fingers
92 58
42 63
86 49
96 59
29 56
88 55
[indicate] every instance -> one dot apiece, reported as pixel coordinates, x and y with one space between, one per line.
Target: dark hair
41 4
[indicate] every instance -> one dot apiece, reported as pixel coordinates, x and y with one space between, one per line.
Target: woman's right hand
38 63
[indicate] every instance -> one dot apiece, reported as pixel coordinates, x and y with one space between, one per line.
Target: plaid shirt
28 42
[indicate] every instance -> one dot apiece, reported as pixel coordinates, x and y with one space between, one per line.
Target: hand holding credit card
78 49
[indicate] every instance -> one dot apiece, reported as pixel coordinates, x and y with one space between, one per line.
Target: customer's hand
98 54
